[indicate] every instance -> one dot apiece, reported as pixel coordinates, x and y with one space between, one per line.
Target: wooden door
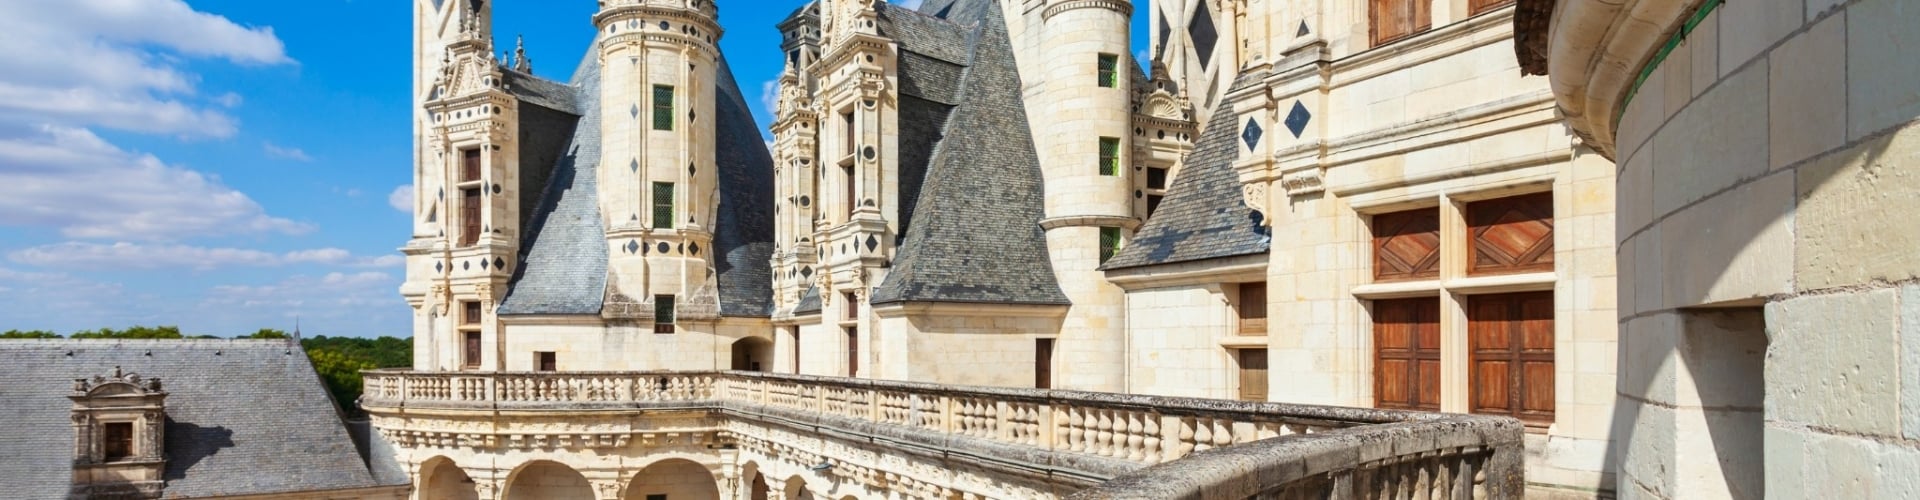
469 165
1396 19
1253 374
1043 363
1511 339
469 216
1475 7
853 351
1406 362
1253 309
472 340
1511 235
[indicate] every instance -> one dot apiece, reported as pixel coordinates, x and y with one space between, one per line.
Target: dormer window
119 423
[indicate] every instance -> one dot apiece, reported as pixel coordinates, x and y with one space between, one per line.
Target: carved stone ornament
140 385
1255 196
1302 183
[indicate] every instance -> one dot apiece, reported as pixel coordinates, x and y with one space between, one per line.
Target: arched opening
752 354
757 487
441 479
796 489
543 480
674 479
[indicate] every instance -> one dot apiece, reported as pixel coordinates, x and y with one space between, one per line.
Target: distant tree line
338 360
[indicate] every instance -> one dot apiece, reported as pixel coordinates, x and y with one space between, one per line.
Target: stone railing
1138 446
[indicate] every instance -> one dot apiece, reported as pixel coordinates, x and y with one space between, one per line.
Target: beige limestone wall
1174 337
1768 166
971 345
586 344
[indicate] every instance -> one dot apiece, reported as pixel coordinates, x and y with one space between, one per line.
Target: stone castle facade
1303 201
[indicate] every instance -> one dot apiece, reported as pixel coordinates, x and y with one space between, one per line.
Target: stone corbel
1254 195
442 300
607 490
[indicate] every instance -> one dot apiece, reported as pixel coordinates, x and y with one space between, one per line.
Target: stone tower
1083 123
467 192
658 186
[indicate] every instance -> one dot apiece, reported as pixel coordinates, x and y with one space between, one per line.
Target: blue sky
228 165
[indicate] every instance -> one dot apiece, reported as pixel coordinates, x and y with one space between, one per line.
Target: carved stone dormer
119 436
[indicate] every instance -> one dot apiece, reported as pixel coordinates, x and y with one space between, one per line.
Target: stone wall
1767 165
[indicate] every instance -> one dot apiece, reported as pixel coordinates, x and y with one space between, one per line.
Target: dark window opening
1043 363
469 216
1109 243
117 441
663 107
853 351
1156 178
663 314
469 165
1109 71
1153 204
470 313
545 361
852 305
663 205
1109 156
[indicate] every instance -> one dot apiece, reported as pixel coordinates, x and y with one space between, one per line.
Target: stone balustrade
1120 445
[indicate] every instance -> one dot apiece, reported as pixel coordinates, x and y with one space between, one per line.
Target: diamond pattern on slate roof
244 417
975 236
1203 216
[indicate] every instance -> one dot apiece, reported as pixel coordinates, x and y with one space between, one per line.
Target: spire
520 61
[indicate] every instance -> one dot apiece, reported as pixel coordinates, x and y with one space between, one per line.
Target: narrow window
1392 20
545 361
663 107
656 497
117 440
1109 243
852 306
469 165
471 359
1156 178
469 313
469 216
663 314
1109 71
847 187
1253 374
663 205
1153 204
1109 156
1253 309
853 351
796 349
1043 363
846 120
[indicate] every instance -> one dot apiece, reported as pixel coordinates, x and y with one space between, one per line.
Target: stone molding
1596 49
1123 7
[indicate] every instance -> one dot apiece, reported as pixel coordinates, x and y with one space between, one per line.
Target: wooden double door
1510 347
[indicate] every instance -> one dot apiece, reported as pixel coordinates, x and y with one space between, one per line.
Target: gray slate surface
244 417
974 235
564 268
1202 217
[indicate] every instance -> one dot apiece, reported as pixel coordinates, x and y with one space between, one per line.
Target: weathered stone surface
1878 181
1716 142
1807 90
1880 68
1731 247
1830 362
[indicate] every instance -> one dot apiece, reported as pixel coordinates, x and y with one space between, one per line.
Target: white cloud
402 198
132 76
133 256
294 154
71 179
770 96
333 295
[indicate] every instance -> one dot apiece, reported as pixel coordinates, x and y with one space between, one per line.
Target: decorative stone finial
520 61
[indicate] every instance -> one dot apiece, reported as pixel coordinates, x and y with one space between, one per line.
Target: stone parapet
1069 438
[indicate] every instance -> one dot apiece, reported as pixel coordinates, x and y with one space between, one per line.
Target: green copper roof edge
1699 15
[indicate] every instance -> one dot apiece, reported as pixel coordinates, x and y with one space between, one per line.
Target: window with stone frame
1109 243
470 355
1253 374
663 107
1109 71
546 361
471 203
1252 308
469 164
663 320
1109 156
116 441
1392 20
1511 235
852 305
1406 245
663 216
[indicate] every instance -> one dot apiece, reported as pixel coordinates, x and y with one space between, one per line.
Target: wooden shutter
847 188
1511 235
853 351
1476 7
469 165
1406 245
1253 308
1043 363
852 305
472 340
470 313
469 216
1253 374
1511 339
1396 19
1406 363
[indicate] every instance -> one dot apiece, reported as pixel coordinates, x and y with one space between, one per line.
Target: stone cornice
1596 49
1124 7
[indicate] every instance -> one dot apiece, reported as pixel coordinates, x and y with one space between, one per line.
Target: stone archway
545 480
796 489
752 354
674 479
756 487
441 479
